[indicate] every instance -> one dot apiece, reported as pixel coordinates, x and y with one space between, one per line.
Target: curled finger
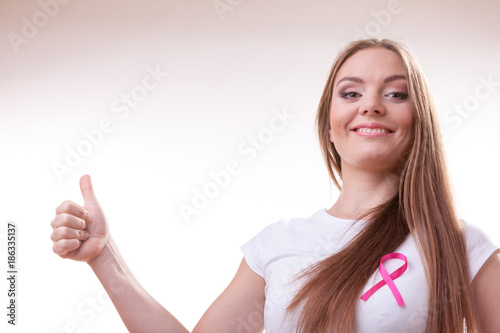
69 207
69 233
68 220
63 246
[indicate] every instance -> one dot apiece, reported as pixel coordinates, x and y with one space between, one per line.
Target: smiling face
371 116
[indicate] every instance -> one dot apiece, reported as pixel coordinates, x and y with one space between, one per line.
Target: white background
228 74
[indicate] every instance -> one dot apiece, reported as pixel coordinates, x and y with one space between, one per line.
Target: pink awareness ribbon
388 279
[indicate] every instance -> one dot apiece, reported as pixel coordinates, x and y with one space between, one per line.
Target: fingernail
87 216
86 235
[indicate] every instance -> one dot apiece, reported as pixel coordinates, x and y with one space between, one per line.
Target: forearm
139 311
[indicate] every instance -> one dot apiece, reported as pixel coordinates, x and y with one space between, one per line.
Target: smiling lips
371 130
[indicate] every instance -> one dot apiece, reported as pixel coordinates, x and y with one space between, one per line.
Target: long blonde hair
423 208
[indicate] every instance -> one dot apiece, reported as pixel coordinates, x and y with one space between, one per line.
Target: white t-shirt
283 249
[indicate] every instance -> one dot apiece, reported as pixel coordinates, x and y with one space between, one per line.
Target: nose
371 106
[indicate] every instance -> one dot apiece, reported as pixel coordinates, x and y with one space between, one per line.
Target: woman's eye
349 94
398 94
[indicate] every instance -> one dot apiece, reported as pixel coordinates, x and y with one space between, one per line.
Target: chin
377 162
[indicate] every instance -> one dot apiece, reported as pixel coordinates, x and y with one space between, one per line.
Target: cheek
408 112
402 116
407 121
338 121
406 124
334 131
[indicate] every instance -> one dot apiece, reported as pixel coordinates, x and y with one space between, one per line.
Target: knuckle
57 249
57 221
67 204
61 207
56 235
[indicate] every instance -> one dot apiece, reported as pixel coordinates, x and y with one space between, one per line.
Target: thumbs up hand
80 232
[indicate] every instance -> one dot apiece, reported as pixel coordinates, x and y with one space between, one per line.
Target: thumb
89 198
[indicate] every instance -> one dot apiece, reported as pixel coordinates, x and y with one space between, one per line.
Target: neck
363 190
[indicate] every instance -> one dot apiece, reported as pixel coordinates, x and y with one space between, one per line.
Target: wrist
105 257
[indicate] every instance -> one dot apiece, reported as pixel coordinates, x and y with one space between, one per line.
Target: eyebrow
386 80
394 78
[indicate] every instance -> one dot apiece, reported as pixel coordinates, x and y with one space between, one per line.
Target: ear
330 134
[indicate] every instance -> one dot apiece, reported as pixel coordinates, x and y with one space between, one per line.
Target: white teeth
372 130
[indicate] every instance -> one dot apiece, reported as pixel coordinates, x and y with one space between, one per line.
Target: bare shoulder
486 288
239 308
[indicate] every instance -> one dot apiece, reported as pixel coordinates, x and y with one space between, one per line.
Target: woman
378 132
